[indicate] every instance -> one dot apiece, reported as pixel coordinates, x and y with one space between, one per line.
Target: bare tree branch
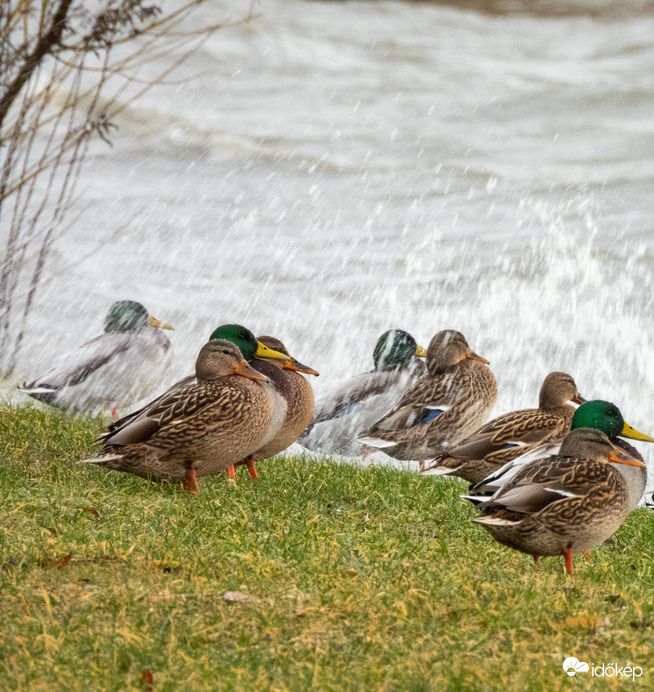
61 85
34 59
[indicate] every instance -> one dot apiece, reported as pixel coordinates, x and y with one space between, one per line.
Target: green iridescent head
239 335
126 316
605 416
395 349
130 316
246 341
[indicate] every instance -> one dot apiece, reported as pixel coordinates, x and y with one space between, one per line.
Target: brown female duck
444 406
197 429
511 435
296 397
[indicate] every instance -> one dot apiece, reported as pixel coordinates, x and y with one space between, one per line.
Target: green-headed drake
196 429
116 369
563 504
597 414
342 415
511 435
447 403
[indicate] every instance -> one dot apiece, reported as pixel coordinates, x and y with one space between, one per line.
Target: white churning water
329 171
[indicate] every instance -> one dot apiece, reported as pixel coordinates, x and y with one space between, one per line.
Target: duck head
395 349
246 342
130 316
220 358
590 443
605 416
447 348
290 363
557 390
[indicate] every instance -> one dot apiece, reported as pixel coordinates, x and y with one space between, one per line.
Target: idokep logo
573 668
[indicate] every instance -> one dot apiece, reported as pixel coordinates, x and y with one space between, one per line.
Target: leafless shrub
64 72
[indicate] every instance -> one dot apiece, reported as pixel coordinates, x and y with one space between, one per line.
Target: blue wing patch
427 415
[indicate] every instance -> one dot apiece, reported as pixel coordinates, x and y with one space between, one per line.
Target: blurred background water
328 171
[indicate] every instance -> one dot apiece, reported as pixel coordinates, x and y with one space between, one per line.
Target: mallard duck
297 393
563 504
238 335
116 369
340 417
197 429
254 353
511 435
442 407
598 414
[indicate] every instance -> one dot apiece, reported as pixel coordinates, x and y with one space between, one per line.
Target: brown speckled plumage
509 436
205 426
457 384
570 502
298 396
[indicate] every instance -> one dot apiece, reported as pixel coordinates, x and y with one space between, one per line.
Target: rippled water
331 170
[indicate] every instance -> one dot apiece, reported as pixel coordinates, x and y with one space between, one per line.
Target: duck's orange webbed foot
191 481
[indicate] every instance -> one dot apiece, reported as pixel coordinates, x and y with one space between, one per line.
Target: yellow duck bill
158 324
265 352
633 434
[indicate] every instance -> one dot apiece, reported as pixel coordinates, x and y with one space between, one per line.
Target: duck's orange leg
231 473
536 559
568 560
250 464
191 481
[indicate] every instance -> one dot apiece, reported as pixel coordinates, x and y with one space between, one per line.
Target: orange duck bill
474 356
292 364
246 370
618 456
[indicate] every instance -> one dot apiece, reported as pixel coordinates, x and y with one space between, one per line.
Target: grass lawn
318 575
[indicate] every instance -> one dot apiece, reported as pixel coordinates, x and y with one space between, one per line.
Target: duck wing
181 400
540 484
92 358
422 403
353 392
154 405
502 439
483 491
